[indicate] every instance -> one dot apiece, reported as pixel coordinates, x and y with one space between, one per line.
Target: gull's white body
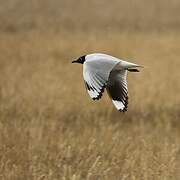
104 71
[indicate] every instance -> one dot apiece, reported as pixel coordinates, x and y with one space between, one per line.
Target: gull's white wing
117 88
96 70
94 82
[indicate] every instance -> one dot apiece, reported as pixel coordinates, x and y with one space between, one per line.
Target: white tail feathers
129 65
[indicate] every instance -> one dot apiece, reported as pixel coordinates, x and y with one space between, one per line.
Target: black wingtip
100 94
124 110
125 105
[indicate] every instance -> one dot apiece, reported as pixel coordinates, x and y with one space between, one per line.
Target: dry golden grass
49 127
59 15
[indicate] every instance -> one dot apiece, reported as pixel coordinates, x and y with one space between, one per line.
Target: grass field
49 127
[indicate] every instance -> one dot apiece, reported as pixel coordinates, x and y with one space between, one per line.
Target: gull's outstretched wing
95 85
117 89
96 72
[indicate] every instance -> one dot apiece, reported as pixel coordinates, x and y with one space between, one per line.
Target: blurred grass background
49 127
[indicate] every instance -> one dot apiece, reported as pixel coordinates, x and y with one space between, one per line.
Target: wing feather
117 89
96 70
94 83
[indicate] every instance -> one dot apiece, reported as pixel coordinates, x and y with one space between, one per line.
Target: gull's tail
131 66
126 64
133 70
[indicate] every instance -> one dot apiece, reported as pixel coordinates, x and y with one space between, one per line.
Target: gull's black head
80 60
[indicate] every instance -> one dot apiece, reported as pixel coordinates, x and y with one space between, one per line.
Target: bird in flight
102 71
